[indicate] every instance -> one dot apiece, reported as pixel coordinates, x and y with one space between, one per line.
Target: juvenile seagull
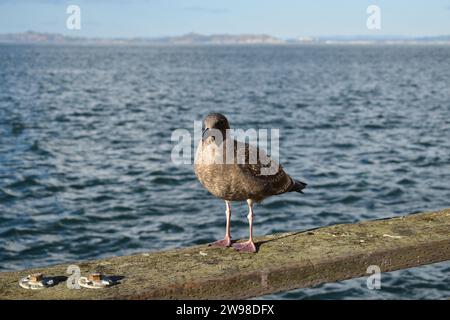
237 175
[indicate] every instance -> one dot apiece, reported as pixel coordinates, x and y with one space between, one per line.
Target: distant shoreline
318 44
193 39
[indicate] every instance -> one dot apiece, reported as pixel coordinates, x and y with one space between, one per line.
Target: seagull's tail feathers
298 186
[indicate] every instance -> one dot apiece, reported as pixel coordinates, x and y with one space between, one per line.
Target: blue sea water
85 147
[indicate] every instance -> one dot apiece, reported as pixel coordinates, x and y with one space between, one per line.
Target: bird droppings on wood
391 236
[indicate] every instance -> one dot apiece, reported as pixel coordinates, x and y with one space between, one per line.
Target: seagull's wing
259 166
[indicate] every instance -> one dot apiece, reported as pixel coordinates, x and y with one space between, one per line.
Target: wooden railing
283 262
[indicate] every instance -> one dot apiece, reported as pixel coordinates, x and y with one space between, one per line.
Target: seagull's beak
205 134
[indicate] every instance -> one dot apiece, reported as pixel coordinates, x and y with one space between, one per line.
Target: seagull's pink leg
247 246
225 242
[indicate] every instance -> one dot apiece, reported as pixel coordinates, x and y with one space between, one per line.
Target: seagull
237 171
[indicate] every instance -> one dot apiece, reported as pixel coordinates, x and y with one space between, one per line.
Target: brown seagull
237 171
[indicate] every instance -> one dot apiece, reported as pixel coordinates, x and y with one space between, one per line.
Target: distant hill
190 38
194 38
218 39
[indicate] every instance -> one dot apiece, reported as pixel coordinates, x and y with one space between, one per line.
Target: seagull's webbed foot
247 246
225 242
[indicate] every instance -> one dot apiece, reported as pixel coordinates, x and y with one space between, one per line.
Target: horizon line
193 33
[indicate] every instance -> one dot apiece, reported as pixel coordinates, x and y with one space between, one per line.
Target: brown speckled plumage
240 182
236 176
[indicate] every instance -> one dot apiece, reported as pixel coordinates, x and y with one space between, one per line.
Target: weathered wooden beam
284 261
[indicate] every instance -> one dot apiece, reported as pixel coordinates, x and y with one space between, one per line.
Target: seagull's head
214 123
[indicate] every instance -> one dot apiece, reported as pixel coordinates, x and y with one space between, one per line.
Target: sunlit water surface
85 147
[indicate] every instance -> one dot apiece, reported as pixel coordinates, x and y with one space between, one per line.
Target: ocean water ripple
85 149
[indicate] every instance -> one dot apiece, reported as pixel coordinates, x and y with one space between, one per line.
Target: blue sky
282 18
